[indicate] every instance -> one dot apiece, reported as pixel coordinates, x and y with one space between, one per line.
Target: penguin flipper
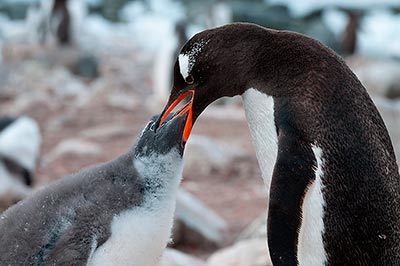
74 248
292 174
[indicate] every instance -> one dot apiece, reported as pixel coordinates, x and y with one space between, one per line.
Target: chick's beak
188 108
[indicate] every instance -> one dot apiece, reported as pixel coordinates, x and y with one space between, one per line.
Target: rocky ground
86 121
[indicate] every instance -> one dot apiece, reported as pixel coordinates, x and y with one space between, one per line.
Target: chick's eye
189 79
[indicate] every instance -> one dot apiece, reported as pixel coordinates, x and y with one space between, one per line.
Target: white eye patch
188 59
184 65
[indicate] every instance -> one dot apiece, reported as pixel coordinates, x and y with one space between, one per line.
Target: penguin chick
115 213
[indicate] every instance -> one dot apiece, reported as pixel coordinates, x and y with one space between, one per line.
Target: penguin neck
160 173
259 110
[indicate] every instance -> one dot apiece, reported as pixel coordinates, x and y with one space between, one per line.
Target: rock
87 66
378 76
197 224
106 131
74 147
26 101
252 252
64 84
393 91
257 229
207 156
173 257
225 112
8 199
122 101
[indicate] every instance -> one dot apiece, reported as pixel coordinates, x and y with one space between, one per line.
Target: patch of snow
78 11
19 1
153 24
336 21
162 71
12 29
132 10
220 14
302 8
380 34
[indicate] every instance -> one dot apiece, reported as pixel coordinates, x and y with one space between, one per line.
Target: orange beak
188 108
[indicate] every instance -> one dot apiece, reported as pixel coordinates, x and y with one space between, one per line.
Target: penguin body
60 21
116 213
324 151
19 151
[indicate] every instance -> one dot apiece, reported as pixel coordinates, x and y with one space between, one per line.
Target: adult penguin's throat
187 108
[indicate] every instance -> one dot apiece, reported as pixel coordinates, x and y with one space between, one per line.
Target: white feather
259 110
311 250
184 65
140 235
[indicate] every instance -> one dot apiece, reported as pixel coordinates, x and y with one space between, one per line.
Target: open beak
188 108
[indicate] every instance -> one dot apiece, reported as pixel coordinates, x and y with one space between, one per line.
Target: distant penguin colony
116 213
324 151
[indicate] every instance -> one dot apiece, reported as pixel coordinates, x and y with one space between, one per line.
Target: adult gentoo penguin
117 213
325 154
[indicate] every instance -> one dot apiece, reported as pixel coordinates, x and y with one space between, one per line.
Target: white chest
259 109
138 237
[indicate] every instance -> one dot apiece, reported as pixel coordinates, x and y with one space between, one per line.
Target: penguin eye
189 79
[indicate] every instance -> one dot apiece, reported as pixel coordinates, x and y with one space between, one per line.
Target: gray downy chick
116 213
